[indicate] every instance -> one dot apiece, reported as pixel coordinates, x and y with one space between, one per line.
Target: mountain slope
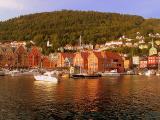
63 27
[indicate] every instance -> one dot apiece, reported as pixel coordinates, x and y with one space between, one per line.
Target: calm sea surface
124 98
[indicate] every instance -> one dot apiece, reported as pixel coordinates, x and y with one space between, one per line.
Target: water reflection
124 97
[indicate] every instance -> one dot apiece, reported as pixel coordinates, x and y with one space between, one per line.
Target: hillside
63 27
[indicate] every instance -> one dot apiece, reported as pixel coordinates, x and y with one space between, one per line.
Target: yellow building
126 64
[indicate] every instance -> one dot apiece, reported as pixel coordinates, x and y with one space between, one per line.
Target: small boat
110 73
149 73
65 75
48 76
15 73
6 71
158 73
140 73
130 72
2 73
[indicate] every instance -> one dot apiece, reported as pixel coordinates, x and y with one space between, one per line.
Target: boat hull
85 76
110 74
45 78
2 73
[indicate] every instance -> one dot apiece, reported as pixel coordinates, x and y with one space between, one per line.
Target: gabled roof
35 51
143 59
98 54
1 50
20 50
84 55
9 50
68 55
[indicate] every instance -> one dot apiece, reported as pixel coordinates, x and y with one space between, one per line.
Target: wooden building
65 59
21 57
34 57
95 62
81 60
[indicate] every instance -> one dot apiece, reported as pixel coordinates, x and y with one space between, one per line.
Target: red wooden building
143 63
81 60
9 57
65 59
95 62
47 63
113 61
105 61
21 57
153 61
34 57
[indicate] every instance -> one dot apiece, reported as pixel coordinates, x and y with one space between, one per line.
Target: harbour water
121 97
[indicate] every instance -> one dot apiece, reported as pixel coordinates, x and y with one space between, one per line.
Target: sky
15 8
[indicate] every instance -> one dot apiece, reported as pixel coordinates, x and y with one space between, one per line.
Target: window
115 60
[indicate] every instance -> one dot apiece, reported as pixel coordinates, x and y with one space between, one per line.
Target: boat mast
80 44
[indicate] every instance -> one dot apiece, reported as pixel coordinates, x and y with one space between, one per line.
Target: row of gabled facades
87 61
21 57
145 62
150 62
92 61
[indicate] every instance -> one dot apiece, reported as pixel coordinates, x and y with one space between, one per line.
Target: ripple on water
125 97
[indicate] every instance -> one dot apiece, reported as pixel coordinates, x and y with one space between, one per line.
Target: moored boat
65 75
48 76
15 73
110 73
31 72
158 73
149 73
2 73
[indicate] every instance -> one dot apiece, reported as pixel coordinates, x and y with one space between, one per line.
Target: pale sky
14 8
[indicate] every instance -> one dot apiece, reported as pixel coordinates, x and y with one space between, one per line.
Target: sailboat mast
80 44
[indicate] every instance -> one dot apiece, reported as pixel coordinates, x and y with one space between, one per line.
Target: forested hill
63 27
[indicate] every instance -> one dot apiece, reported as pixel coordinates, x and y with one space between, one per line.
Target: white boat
15 73
158 73
6 71
31 72
149 73
48 76
110 73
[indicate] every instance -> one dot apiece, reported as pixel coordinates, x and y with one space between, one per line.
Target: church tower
153 50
